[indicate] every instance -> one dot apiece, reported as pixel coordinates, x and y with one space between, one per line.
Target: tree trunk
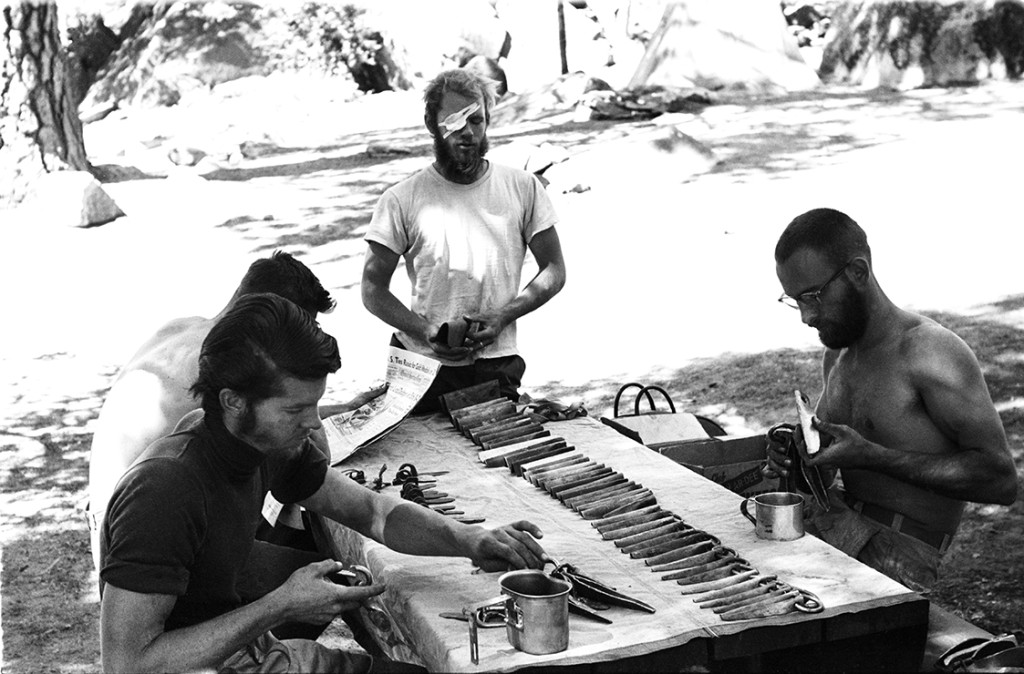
39 127
561 38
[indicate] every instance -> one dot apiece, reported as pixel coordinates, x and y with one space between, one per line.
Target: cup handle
743 509
470 613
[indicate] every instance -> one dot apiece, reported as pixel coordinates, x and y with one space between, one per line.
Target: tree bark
40 131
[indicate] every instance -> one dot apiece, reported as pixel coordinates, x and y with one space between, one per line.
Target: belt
900 524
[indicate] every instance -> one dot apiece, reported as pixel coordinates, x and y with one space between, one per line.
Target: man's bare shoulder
931 346
180 337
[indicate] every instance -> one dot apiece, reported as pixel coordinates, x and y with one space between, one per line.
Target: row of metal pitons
625 512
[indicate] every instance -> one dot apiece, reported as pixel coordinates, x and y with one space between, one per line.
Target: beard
851 324
466 165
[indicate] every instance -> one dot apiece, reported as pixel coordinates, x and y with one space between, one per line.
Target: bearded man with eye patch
463 226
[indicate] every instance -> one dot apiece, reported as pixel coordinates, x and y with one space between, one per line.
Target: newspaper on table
409 375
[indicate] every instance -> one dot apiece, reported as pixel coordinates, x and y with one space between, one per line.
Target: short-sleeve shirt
464 245
183 519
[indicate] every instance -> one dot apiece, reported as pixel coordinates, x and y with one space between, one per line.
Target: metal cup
536 613
778 515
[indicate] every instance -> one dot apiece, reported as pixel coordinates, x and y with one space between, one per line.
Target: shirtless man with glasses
907 424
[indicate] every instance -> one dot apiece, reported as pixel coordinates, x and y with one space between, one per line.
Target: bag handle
647 390
626 387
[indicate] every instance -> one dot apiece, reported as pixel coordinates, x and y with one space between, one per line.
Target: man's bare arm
549 280
412 529
378 269
353 404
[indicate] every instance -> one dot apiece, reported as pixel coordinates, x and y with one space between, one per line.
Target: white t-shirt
464 245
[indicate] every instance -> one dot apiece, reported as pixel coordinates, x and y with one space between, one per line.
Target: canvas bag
655 425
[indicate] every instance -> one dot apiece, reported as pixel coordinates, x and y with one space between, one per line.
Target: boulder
924 43
73 199
741 45
178 47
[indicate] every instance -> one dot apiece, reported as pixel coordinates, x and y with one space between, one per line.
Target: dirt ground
671 281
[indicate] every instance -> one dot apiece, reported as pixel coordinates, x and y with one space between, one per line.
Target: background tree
40 131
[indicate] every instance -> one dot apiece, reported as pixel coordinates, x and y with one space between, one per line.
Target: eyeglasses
812 297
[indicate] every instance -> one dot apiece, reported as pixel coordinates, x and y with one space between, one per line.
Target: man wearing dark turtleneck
219 482
180 525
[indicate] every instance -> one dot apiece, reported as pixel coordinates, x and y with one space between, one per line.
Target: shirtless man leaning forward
906 420
151 392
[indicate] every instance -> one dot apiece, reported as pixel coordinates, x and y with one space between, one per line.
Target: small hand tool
702 572
632 504
591 588
656 546
478 433
538 466
700 588
750 598
534 475
614 520
683 552
378 482
629 520
620 488
599 485
593 509
655 520
547 476
495 444
703 553
514 433
516 463
581 608
736 593
659 528
572 480
662 543
780 605
613 501
572 477
496 457
476 408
